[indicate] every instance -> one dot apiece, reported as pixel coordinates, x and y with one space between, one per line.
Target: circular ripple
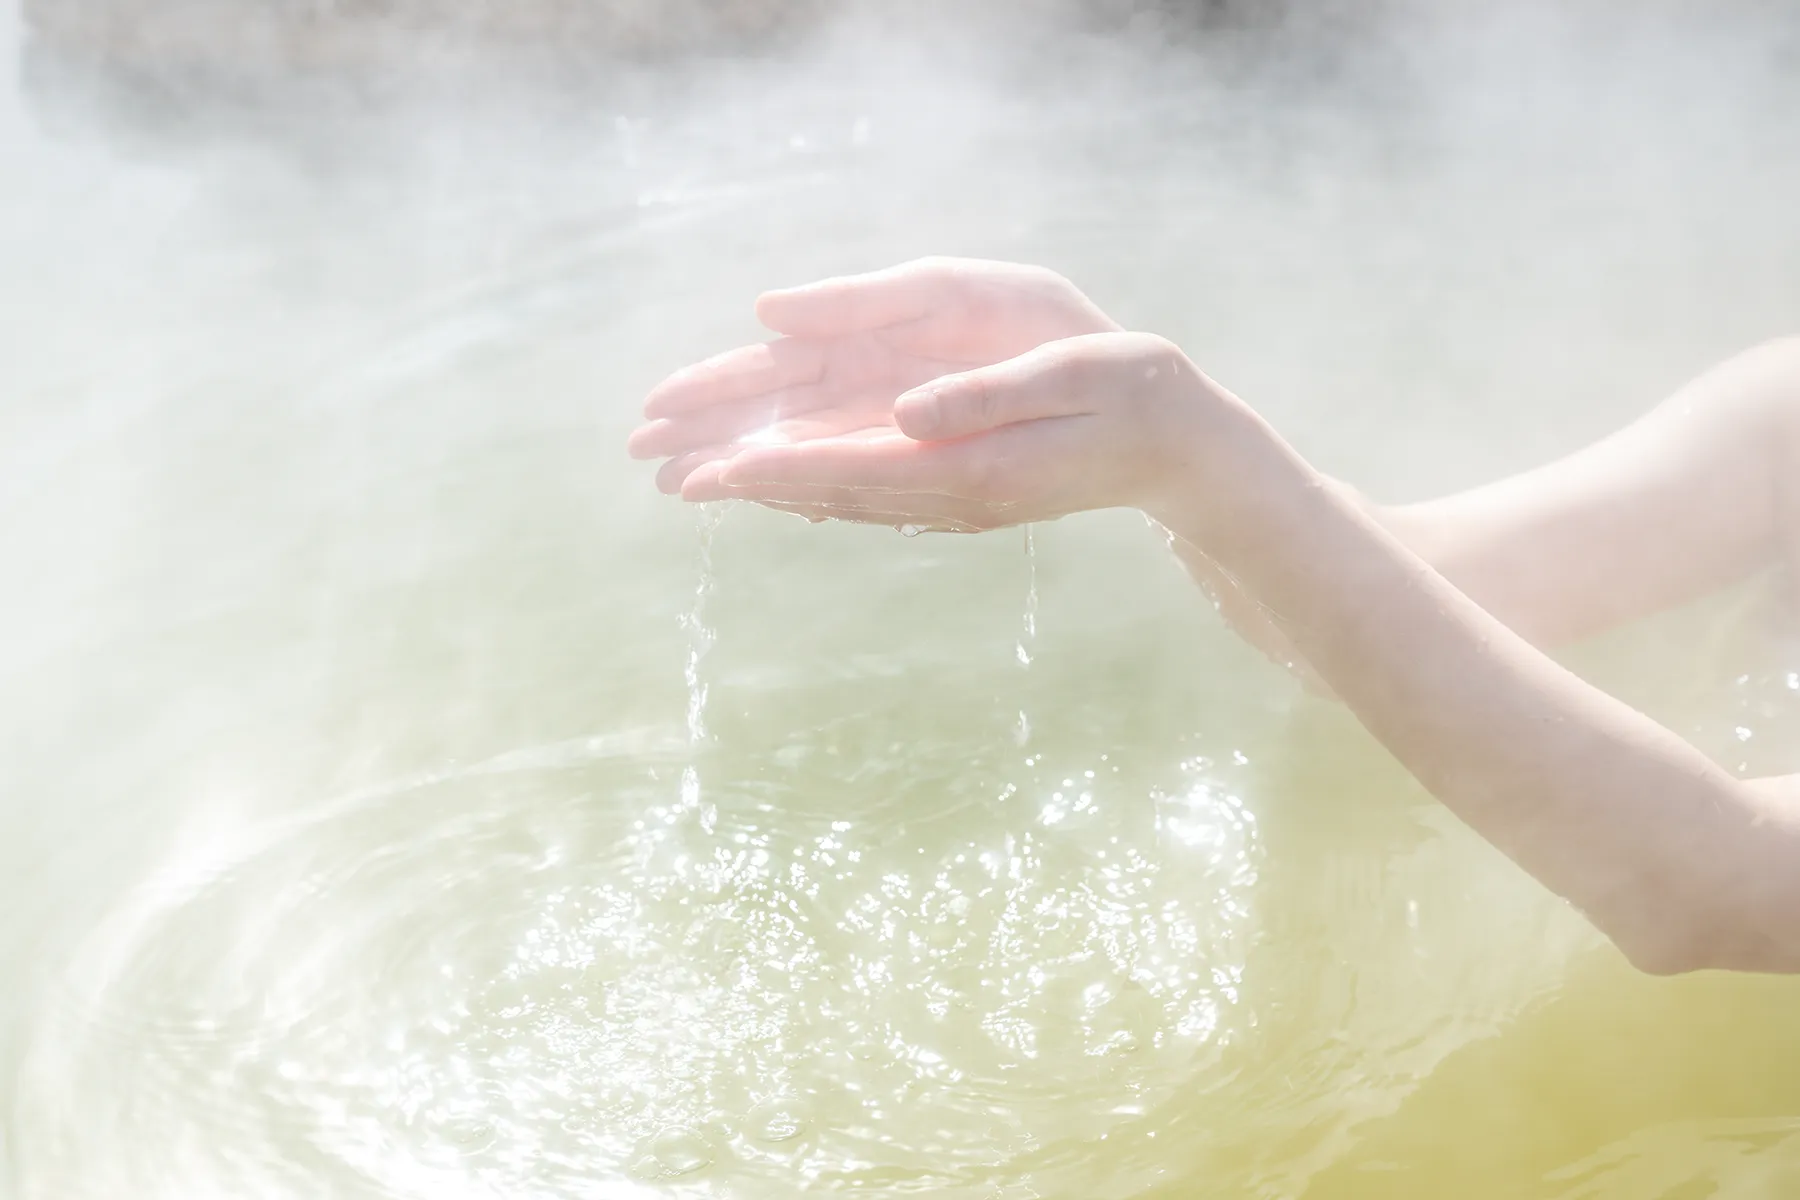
575 973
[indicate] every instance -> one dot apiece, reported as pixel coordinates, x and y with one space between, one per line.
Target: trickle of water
700 634
700 640
1022 649
1028 629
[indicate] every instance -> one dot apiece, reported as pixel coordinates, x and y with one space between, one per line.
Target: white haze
272 361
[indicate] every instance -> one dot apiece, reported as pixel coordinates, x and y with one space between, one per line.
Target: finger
708 484
905 519
702 481
736 375
858 303
888 461
797 430
902 507
673 474
668 437
1005 465
1068 378
785 414
811 512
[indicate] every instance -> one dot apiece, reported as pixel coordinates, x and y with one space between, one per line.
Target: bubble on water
469 1135
775 1121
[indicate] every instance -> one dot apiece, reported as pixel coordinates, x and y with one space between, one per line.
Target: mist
321 352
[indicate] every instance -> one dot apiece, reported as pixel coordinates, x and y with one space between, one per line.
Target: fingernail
919 413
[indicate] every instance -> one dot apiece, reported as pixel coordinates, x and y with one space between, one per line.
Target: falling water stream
700 641
1022 649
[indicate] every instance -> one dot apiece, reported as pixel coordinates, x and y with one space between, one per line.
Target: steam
321 350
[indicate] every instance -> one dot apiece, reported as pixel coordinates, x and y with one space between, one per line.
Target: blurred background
399 798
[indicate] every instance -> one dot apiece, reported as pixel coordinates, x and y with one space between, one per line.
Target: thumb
1057 379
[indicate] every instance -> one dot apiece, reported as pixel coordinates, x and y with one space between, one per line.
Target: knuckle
1068 360
1074 364
982 403
1150 346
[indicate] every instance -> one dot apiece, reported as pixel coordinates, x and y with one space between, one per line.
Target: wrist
1227 479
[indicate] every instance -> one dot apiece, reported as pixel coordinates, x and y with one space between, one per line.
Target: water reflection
544 972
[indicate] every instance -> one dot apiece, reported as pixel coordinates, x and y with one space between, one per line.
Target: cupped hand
855 429
851 347
1098 421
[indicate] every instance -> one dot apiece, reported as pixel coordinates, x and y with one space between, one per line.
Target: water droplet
677 1150
1022 729
466 1134
910 530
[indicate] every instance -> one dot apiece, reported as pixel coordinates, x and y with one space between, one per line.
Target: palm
852 346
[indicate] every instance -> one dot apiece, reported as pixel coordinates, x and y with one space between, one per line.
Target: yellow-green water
364 834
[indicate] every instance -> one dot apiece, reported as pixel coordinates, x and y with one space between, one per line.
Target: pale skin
965 395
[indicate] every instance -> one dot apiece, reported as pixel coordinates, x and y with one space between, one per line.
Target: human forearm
1691 497
1678 862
